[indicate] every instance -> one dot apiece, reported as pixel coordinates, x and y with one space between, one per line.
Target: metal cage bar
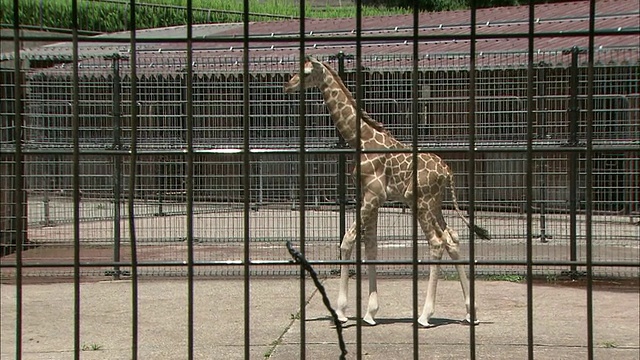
217 167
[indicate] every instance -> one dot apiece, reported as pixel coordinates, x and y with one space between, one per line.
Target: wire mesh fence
182 156
559 100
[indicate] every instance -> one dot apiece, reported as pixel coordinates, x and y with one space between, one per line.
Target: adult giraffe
388 176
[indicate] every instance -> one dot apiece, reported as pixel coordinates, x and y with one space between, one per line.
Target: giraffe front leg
343 293
434 271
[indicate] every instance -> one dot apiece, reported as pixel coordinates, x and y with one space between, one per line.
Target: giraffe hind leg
453 248
433 231
436 250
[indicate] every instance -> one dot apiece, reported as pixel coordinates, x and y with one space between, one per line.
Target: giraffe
388 176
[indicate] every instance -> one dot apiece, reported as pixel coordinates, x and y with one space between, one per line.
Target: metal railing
106 160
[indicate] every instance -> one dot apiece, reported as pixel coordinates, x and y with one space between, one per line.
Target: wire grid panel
160 202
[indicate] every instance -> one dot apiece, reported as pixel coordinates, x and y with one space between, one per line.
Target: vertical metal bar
541 123
246 181
472 177
161 182
132 182
20 235
358 179
189 180
589 179
46 204
342 164
302 182
414 179
574 113
117 163
529 180
75 103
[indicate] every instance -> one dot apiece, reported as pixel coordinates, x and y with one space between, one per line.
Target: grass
272 348
91 347
609 344
551 278
505 277
515 278
114 16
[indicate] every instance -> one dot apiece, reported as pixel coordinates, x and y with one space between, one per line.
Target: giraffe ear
316 64
310 64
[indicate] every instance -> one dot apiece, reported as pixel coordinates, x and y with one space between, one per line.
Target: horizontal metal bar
257 151
26 264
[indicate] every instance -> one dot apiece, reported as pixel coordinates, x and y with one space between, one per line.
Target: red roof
558 26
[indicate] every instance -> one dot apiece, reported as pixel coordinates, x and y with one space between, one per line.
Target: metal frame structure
160 199
135 171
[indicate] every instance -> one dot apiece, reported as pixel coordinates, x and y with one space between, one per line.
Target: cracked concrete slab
560 325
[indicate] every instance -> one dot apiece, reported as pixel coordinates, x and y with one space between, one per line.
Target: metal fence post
544 166
117 163
46 202
574 116
342 160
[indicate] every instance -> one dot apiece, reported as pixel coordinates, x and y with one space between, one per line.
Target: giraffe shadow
435 322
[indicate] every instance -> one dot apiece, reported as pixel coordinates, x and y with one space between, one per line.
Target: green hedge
110 17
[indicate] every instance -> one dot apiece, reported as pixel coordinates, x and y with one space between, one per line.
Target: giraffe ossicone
388 176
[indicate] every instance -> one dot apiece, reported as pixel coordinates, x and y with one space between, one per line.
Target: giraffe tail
481 232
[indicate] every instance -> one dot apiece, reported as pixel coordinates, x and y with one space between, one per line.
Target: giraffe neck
342 107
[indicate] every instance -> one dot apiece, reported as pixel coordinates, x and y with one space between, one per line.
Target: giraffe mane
364 115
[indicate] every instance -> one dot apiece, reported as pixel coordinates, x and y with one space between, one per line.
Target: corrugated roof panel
442 34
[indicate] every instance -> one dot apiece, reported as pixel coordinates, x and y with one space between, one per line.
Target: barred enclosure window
170 189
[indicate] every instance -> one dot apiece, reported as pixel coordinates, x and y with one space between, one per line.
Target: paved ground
560 326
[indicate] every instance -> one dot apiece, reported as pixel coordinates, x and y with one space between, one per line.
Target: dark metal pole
161 185
117 163
46 202
529 182
472 177
133 168
574 115
544 166
342 166
18 173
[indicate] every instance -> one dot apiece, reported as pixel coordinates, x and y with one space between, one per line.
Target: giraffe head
313 76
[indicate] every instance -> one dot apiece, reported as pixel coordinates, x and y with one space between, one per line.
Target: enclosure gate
155 162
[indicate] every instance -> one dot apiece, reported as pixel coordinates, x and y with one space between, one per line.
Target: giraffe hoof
425 323
467 321
369 321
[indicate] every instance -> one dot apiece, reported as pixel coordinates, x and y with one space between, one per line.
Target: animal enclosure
218 110
159 153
